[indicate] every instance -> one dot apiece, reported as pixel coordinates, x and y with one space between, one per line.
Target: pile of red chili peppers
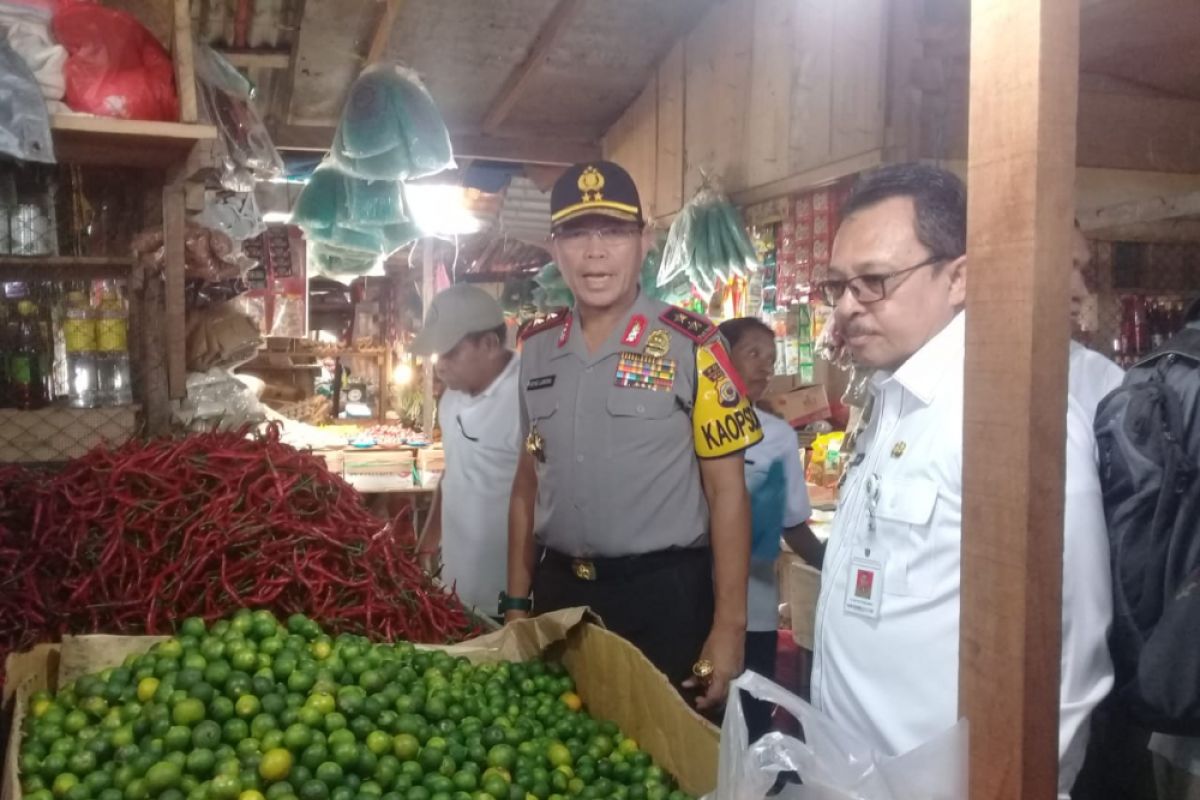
135 539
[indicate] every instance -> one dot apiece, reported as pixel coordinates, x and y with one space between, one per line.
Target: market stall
242 257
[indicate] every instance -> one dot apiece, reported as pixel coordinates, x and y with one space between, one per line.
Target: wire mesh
1142 291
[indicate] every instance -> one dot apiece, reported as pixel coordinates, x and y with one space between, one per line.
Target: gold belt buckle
584 570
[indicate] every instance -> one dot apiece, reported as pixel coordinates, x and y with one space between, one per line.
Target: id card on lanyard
864 587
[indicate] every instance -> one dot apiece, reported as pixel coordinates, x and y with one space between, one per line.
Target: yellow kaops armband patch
723 421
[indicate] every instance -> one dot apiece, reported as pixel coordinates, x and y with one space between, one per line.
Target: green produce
251 709
707 244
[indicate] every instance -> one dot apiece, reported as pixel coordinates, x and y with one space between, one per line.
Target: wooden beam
809 178
1117 129
1167 231
184 60
428 274
1023 92
465 144
280 111
1126 131
174 230
1154 209
252 58
506 99
383 31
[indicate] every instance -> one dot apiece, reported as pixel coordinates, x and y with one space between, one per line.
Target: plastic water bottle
112 365
79 329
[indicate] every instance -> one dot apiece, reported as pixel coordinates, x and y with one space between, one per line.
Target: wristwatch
509 603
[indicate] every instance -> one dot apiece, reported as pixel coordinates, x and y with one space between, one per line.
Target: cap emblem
591 185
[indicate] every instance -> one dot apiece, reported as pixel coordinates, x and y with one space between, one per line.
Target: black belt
622 567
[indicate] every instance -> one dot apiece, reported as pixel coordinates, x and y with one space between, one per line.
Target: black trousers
661 602
760 658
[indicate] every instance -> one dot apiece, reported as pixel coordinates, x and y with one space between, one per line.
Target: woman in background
779 506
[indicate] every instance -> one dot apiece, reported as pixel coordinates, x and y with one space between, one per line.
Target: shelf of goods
174 150
125 142
63 268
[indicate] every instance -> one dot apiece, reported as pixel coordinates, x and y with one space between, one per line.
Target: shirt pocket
541 406
903 518
640 403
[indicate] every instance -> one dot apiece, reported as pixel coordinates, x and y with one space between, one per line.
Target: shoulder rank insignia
553 321
697 328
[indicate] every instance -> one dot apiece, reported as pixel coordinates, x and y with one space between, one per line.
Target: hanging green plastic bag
391 128
340 262
321 202
375 203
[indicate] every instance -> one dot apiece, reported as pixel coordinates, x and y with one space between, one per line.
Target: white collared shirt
893 681
1091 377
482 437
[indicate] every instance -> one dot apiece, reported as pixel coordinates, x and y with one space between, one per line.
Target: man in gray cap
480 421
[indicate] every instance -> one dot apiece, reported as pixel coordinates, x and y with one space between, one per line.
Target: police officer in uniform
630 497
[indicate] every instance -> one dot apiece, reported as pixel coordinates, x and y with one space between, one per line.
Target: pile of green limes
253 710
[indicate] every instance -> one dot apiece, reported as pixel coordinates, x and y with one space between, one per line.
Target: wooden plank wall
758 92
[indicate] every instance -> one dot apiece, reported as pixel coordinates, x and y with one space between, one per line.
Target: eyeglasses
610 235
869 288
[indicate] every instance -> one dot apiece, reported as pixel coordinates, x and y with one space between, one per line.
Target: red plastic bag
115 67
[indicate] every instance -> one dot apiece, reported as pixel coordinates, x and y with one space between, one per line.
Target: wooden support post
185 64
427 288
1024 84
383 32
175 329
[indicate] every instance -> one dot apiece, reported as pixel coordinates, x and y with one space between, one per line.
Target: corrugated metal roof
525 214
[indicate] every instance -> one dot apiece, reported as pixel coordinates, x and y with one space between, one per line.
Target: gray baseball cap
455 312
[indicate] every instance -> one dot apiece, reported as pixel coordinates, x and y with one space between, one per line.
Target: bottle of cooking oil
112 362
79 329
28 386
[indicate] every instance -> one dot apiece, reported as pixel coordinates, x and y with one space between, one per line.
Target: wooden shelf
124 142
63 268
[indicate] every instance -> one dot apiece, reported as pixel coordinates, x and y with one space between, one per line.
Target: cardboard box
335 460
614 679
378 470
431 465
799 406
800 586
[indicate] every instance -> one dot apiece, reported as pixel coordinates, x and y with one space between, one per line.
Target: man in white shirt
887 630
480 422
1091 376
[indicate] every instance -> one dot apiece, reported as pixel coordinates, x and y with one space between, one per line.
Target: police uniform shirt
618 472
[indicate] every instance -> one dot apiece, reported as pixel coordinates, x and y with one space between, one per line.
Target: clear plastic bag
227 100
26 26
218 400
832 763
24 123
234 214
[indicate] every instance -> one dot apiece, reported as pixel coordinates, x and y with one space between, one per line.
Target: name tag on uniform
544 382
864 591
640 371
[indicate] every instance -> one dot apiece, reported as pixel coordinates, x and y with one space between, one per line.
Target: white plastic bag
832 763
